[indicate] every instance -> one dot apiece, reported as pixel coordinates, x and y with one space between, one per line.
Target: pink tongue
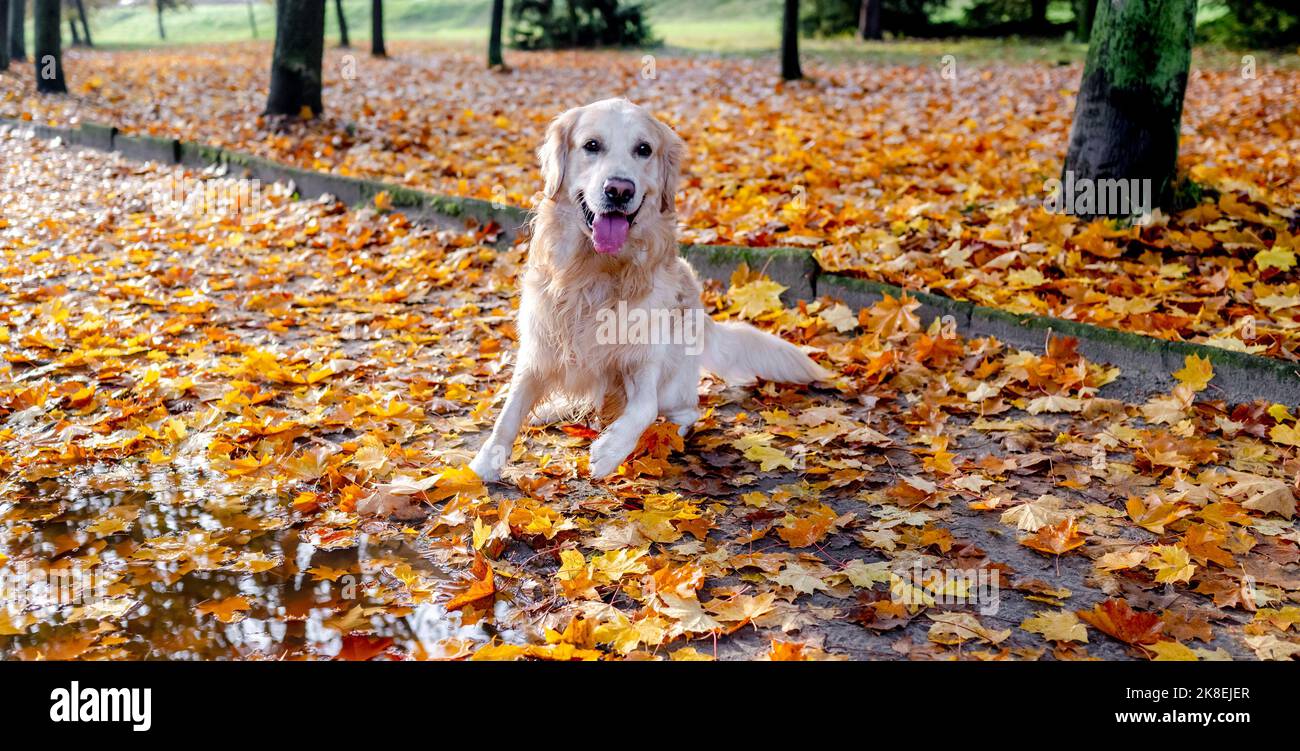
609 232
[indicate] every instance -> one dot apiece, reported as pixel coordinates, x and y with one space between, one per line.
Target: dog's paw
604 458
684 419
485 465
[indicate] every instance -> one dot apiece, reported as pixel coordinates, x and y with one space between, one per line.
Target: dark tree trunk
4 34
608 10
343 23
377 29
75 32
1084 13
47 48
17 25
296 63
1130 103
85 27
494 34
869 19
790 42
1038 15
162 33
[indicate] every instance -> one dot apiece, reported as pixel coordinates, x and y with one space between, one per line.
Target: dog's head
616 163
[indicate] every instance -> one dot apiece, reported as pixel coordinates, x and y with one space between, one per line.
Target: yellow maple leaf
689 654
756 298
1288 435
769 458
1061 625
955 628
1172 651
1172 563
1196 372
457 480
625 635
840 317
1275 258
757 447
1118 561
616 564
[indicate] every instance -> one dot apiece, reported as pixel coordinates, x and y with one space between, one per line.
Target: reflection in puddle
109 567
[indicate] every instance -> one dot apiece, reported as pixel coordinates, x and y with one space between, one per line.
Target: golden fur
569 291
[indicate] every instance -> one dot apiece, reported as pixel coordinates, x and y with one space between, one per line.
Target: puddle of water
112 565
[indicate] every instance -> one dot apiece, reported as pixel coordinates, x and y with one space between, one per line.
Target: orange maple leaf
1130 626
481 586
1055 538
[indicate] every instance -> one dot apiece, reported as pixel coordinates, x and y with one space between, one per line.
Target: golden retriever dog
610 321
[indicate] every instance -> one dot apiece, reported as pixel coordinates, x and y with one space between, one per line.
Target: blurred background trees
1259 23
167 5
554 24
4 34
899 17
1251 23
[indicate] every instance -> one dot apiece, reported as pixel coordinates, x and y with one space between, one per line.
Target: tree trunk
1084 13
343 23
377 29
790 42
46 48
869 19
1038 15
608 10
296 63
494 34
1130 103
17 25
162 33
4 34
85 27
252 19
75 32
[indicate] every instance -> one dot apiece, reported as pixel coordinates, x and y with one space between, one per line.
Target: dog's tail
739 353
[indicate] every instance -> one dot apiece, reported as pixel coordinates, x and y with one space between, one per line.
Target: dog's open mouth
608 229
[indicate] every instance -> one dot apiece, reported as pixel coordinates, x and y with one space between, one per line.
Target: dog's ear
554 152
672 151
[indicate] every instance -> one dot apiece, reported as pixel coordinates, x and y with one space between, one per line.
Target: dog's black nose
619 191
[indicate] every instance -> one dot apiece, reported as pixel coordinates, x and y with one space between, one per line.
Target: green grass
727 27
137 26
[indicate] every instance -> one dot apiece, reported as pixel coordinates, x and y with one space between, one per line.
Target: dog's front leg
525 391
613 446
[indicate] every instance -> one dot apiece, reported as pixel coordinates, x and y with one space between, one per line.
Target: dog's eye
643 149
592 146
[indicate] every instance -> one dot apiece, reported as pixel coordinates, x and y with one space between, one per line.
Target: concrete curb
794 268
447 211
1146 362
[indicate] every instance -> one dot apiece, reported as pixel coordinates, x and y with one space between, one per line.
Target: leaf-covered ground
194 407
895 173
